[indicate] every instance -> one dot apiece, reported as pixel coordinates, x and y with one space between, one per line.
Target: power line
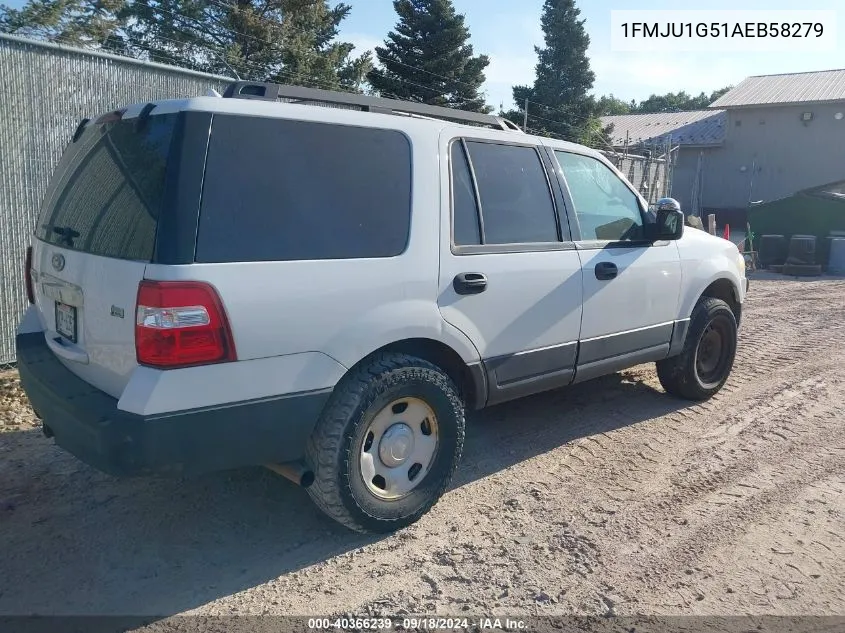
208 49
392 61
226 6
302 31
592 133
274 44
255 67
282 72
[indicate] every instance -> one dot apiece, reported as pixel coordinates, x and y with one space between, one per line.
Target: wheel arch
726 290
469 377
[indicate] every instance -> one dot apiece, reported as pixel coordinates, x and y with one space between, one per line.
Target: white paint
299 325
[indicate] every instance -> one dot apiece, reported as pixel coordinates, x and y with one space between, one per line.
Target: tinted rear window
106 194
287 190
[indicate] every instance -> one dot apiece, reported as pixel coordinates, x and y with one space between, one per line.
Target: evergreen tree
83 23
428 58
560 98
289 41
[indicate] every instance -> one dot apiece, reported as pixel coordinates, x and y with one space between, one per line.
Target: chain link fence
652 176
47 90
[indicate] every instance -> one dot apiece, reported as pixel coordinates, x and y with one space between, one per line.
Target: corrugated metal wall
46 90
771 153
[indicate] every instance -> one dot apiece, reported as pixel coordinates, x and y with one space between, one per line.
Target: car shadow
75 541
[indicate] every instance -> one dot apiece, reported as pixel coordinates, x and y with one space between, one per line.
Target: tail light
181 323
30 292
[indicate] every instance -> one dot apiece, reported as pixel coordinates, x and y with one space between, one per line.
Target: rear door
94 237
510 278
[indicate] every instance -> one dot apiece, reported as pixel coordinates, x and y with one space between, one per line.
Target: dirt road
608 498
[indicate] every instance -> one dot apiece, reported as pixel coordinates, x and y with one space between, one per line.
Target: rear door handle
469 283
606 270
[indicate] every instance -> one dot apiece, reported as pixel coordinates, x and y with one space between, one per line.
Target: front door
510 277
631 287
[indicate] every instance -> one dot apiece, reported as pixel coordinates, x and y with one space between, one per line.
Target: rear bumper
87 423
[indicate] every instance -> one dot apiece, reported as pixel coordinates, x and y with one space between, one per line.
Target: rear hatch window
106 195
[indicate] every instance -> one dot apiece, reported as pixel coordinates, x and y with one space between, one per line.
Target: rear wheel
387 445
703 367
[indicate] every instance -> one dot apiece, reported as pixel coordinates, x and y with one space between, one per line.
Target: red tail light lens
181 323
30 292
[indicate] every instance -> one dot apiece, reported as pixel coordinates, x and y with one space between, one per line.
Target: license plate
66 321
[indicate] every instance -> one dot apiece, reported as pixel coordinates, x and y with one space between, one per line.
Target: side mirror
669 225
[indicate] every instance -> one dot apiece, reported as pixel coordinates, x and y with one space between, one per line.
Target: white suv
252 280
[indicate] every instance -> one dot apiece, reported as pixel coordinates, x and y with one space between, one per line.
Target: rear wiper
66 233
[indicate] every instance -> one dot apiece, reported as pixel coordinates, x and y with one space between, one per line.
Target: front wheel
703 367
387 445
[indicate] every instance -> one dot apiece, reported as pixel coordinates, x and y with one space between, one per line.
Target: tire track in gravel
608 497
707 423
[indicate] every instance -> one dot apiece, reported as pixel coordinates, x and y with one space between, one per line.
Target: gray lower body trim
525 365
479 384
679 337
613 345
525 373
606 366
533 371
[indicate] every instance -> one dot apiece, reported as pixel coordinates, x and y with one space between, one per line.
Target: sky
508 30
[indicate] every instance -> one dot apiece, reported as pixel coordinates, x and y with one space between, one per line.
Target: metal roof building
765 139
696 128
824 86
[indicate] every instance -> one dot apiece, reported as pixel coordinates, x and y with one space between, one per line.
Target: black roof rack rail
273 92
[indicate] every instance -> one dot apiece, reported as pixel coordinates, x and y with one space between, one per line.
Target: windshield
106 194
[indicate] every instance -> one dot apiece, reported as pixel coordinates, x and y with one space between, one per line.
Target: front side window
515 199
606 208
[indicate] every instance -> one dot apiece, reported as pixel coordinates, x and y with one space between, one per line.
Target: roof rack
274 92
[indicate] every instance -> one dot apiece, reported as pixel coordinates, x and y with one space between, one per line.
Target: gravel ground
608 498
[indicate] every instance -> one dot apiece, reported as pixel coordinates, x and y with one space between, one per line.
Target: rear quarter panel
334 311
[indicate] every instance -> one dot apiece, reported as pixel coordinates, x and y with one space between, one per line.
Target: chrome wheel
398 448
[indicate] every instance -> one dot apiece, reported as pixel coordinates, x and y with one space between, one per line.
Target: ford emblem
58 261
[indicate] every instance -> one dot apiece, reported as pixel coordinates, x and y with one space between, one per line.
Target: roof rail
273 92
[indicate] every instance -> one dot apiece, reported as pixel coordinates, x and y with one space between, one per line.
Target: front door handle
606 270
469 283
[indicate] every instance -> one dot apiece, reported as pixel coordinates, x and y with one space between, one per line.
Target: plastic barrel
836 261
802 249
772 251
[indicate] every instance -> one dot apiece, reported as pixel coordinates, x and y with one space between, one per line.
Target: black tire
334 448
686 375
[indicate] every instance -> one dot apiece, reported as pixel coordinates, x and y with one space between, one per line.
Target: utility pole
525 119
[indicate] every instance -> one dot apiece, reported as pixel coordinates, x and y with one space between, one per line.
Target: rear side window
464 207
106 195
516 202
279 190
